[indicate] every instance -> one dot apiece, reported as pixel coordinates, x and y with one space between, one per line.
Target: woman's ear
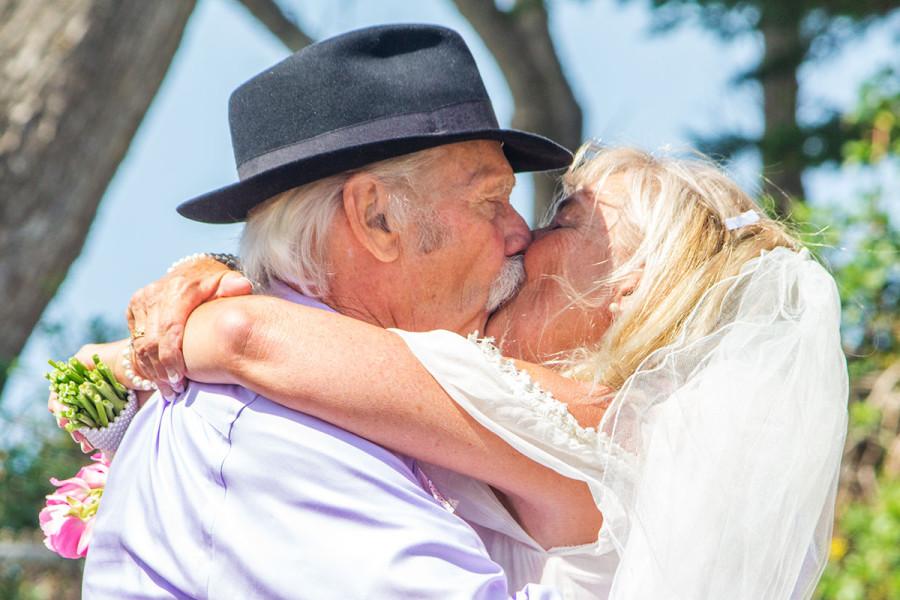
625 290
366 206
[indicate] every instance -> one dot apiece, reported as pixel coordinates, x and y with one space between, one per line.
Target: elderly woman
698 390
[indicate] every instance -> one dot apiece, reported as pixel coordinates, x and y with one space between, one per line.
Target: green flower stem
110 377
79 420
86 403
59 366
98 405
71 402
110 411
79 368
110 395
90 397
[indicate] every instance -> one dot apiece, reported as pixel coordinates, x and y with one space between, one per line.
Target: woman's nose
539 233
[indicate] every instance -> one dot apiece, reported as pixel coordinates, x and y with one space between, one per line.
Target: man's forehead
478 164
491 174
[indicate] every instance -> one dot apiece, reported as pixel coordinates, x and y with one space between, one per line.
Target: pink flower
67 520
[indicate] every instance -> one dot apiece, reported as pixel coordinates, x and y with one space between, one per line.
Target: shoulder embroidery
543 404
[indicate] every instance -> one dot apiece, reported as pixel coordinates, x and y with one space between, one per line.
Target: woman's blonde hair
673 231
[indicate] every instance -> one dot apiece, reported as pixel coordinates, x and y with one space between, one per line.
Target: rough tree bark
77 78
520 41
781 146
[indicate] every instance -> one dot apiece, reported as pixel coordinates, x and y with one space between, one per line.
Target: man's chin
503 305
507 283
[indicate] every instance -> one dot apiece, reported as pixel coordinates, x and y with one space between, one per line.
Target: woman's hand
158 312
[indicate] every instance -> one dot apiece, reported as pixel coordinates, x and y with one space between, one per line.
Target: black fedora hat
355 99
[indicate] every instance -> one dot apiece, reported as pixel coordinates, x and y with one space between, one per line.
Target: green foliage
865 551
50 579
860 238
863 244
878 114
25 473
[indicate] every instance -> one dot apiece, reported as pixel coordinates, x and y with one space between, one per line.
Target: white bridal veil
717 462
733 441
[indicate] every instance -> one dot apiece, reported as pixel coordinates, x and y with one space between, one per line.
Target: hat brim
231 204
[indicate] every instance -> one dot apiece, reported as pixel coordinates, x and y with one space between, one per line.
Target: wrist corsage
92 402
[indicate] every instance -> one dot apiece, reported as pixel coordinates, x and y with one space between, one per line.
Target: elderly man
374 182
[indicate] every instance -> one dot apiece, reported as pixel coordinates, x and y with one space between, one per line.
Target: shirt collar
279 289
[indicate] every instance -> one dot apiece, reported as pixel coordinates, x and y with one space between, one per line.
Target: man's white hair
285 237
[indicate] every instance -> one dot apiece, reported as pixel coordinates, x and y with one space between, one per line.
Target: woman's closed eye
566 216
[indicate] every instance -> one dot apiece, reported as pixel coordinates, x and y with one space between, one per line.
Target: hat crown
358 77
357 99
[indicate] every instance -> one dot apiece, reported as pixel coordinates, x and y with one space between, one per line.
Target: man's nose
517 235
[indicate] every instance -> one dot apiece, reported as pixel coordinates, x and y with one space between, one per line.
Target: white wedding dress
715 466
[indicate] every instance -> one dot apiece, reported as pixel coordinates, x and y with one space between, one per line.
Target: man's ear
366 206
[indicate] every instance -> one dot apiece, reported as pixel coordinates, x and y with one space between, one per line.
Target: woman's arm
365 379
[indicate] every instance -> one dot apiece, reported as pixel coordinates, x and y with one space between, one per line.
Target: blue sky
634 89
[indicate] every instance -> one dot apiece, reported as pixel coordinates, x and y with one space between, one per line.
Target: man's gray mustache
507 283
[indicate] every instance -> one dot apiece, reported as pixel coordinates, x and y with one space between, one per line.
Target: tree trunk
781 147
520 42
78 76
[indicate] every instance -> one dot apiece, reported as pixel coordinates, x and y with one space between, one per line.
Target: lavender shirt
225 494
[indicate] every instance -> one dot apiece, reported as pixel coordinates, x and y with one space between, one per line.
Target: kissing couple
421 398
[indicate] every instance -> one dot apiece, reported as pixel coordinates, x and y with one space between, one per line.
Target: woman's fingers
233 283
137 317
171 357
158 313
146 347
186 292
145 339
217 284
56 408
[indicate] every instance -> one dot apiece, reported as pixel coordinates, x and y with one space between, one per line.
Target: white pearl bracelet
137 381
229 260
186 259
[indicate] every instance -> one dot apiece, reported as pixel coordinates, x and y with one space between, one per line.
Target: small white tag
748 218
